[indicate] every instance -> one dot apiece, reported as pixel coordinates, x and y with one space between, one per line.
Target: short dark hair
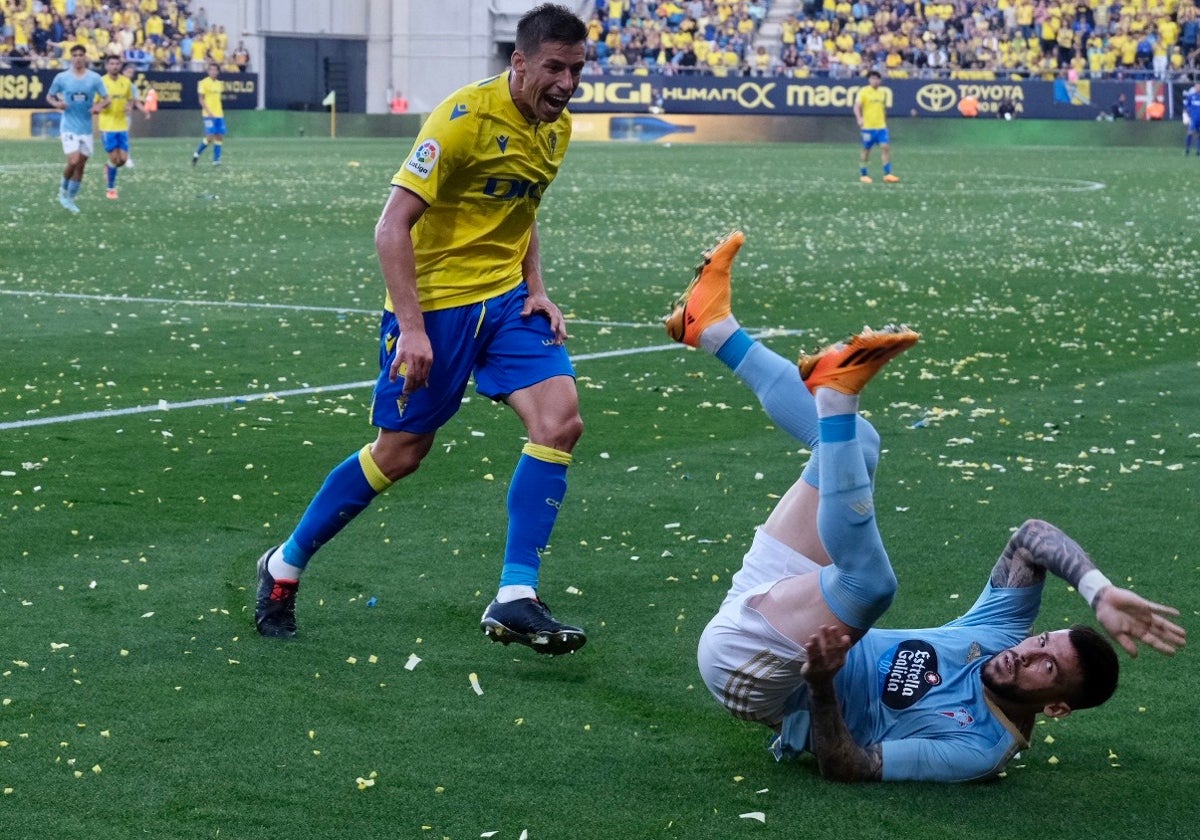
78 48
1098 666
875 73
549 22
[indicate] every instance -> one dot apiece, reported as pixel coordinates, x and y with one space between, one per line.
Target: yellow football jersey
874 106
210 96
482 169
120 92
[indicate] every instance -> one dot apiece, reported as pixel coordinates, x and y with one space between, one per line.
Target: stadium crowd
150 34
983 39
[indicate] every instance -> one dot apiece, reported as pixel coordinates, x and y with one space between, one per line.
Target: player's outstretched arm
1129 618
839 757
1038 547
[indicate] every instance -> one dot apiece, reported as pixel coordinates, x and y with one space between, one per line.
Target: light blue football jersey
919 693
79 93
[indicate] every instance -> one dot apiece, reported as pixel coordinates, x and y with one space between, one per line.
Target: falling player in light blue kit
1191 112
793 647
78 93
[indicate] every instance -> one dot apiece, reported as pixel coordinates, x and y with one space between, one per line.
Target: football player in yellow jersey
458 248
209 90
114 121
870 111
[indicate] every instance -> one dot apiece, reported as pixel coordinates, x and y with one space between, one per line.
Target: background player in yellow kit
210 90
870 110
114 121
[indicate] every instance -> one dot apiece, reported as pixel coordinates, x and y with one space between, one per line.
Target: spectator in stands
241 57
139 58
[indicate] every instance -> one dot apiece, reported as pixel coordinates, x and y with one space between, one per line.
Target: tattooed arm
1038 547
839 757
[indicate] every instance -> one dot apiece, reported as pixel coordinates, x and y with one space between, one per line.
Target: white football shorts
749 666
82 143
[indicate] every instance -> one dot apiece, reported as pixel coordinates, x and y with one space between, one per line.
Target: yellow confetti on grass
474 678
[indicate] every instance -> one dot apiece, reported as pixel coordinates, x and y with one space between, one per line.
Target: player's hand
542 305
413 359
826 652
1130 618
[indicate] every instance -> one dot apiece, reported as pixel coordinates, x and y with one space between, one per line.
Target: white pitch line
163 405
237 304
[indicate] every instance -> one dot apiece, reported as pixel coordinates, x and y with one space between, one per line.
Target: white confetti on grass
474 678
413 662
754 815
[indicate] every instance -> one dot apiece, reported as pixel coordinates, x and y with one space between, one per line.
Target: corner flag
330 99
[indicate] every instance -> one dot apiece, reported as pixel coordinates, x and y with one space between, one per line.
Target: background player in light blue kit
78 93
792 646
1191 112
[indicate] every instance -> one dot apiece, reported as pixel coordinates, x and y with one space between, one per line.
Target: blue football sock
200 149
776 383
346 493
111 172
860 585
539 484
863 170
887 168
735 349
66 185
216 152
73 188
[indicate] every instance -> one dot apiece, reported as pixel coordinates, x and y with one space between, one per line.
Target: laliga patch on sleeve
423 158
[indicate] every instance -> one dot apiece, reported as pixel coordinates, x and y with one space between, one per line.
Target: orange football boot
707 298
849 365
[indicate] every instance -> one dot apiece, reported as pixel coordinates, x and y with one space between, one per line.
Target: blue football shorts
114 140
214 125
874 137
489 340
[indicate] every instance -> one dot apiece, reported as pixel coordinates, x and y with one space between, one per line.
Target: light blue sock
538 487
860 585
73 188
66 185
776 382
347 491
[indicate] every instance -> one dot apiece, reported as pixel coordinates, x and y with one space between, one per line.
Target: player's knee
561 433
399 458
860 596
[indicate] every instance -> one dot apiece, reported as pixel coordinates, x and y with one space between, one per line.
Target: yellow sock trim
547 454
375 476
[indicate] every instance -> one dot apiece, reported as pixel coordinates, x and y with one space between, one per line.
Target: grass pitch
179 369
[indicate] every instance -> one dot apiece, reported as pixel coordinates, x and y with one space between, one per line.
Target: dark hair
78 48
875 73
549 22
1098 665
